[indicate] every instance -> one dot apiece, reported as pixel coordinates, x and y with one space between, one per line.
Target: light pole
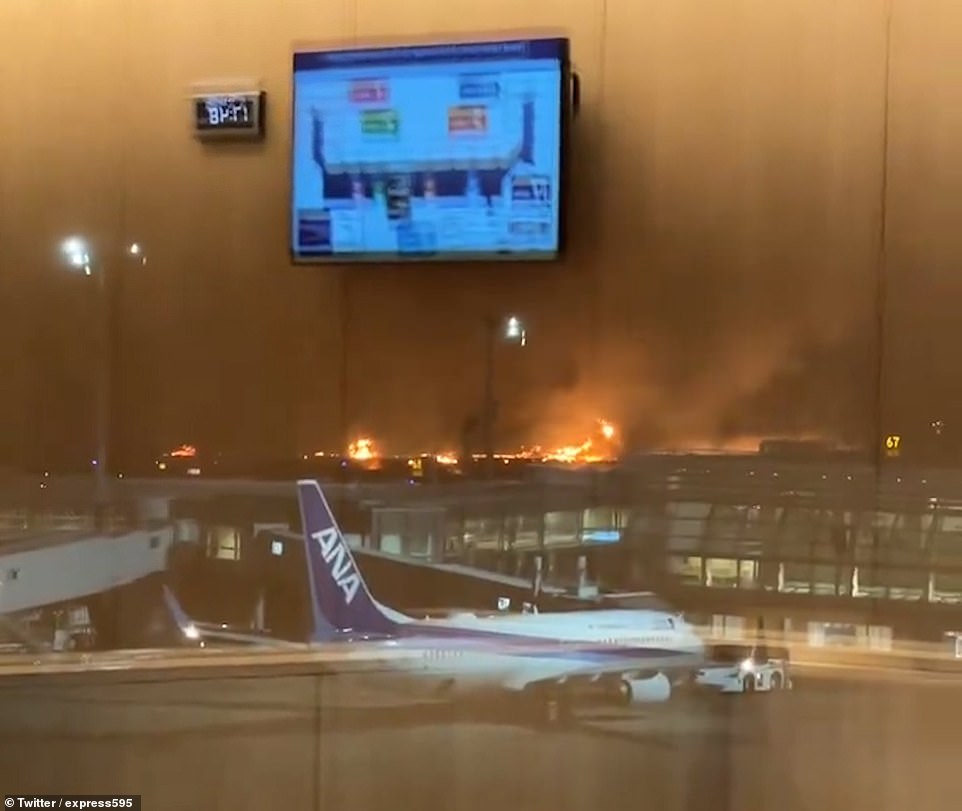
79 257
506 329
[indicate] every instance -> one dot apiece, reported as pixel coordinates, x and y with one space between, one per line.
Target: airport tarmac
841 741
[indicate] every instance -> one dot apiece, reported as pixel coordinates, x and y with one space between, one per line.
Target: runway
247 743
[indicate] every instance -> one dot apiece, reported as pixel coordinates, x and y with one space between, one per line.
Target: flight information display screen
429 152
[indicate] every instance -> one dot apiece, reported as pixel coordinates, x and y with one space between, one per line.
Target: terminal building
753 539
738 536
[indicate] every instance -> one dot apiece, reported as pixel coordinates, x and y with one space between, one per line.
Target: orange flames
178 453
447 458
362 449
602 446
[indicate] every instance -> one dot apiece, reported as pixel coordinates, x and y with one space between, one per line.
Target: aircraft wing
201 632
205 632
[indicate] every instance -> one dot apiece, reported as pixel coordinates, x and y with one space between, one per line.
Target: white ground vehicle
745 669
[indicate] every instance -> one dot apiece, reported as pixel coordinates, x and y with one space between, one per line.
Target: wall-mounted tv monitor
433 152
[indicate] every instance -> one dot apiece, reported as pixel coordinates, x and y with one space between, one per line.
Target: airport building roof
715 478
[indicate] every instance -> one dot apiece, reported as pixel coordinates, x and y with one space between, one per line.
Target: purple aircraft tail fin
339 594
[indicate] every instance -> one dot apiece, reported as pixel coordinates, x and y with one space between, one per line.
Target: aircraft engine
646 691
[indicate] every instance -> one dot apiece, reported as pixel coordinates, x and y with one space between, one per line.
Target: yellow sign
893 442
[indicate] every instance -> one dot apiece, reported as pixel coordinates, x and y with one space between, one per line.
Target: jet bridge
114 575
407 582
400 581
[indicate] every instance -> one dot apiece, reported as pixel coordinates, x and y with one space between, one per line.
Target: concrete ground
843 740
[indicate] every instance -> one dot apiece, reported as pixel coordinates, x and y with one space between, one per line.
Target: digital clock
229 115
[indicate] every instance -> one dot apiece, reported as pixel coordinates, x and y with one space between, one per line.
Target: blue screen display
429 152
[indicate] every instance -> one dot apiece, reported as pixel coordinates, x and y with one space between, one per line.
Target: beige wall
726 199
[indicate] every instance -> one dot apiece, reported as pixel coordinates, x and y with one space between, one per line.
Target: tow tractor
745 669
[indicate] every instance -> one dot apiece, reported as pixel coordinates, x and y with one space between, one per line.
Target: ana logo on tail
339 563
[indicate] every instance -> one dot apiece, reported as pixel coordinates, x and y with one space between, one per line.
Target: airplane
636 655
223 635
